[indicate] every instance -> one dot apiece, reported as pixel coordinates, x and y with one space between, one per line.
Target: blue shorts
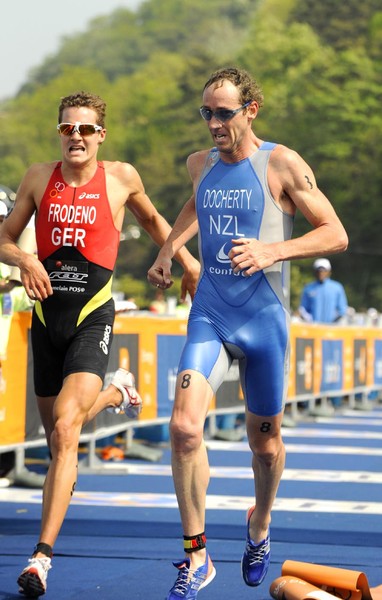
255 332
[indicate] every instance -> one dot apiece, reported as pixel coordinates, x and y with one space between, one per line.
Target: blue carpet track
122 531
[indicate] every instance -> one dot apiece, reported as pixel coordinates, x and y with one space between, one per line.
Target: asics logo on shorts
104 343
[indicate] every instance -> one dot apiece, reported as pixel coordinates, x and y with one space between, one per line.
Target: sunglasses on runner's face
81 128
222 114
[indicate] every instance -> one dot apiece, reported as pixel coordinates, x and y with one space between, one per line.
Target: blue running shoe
188 583
256 558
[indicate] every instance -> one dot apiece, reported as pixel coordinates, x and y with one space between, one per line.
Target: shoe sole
209 579
31 585
249 513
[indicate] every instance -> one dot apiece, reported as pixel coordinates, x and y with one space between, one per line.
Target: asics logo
64 275
222 256
104 343
88 196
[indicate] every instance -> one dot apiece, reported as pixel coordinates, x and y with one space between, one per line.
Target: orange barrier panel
14 378
329 358
323 359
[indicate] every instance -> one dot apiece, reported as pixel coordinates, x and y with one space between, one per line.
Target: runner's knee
186 435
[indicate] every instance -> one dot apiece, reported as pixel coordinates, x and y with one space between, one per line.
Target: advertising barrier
324 359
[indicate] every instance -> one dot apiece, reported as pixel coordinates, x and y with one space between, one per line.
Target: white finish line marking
312 433
214 502
301 448
246 473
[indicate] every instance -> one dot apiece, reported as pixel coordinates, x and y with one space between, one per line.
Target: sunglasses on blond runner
222 114
81 128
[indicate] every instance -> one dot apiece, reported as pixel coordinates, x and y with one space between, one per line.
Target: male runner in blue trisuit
246 193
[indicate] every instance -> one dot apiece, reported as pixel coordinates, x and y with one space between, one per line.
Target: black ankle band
44 549
192 543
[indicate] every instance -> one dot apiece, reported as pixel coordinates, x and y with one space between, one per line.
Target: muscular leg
63 418
268 461
190 466
110 397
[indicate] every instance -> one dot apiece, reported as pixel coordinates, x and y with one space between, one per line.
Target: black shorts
59 350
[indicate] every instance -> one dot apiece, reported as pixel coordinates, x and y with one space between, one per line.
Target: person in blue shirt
323 300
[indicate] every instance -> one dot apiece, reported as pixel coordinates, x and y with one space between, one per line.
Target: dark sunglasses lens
86 129
66 129
224 114
206 113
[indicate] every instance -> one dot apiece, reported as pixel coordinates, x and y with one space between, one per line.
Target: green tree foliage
321 70
121 43
135 289
324 103
28 123
339 24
